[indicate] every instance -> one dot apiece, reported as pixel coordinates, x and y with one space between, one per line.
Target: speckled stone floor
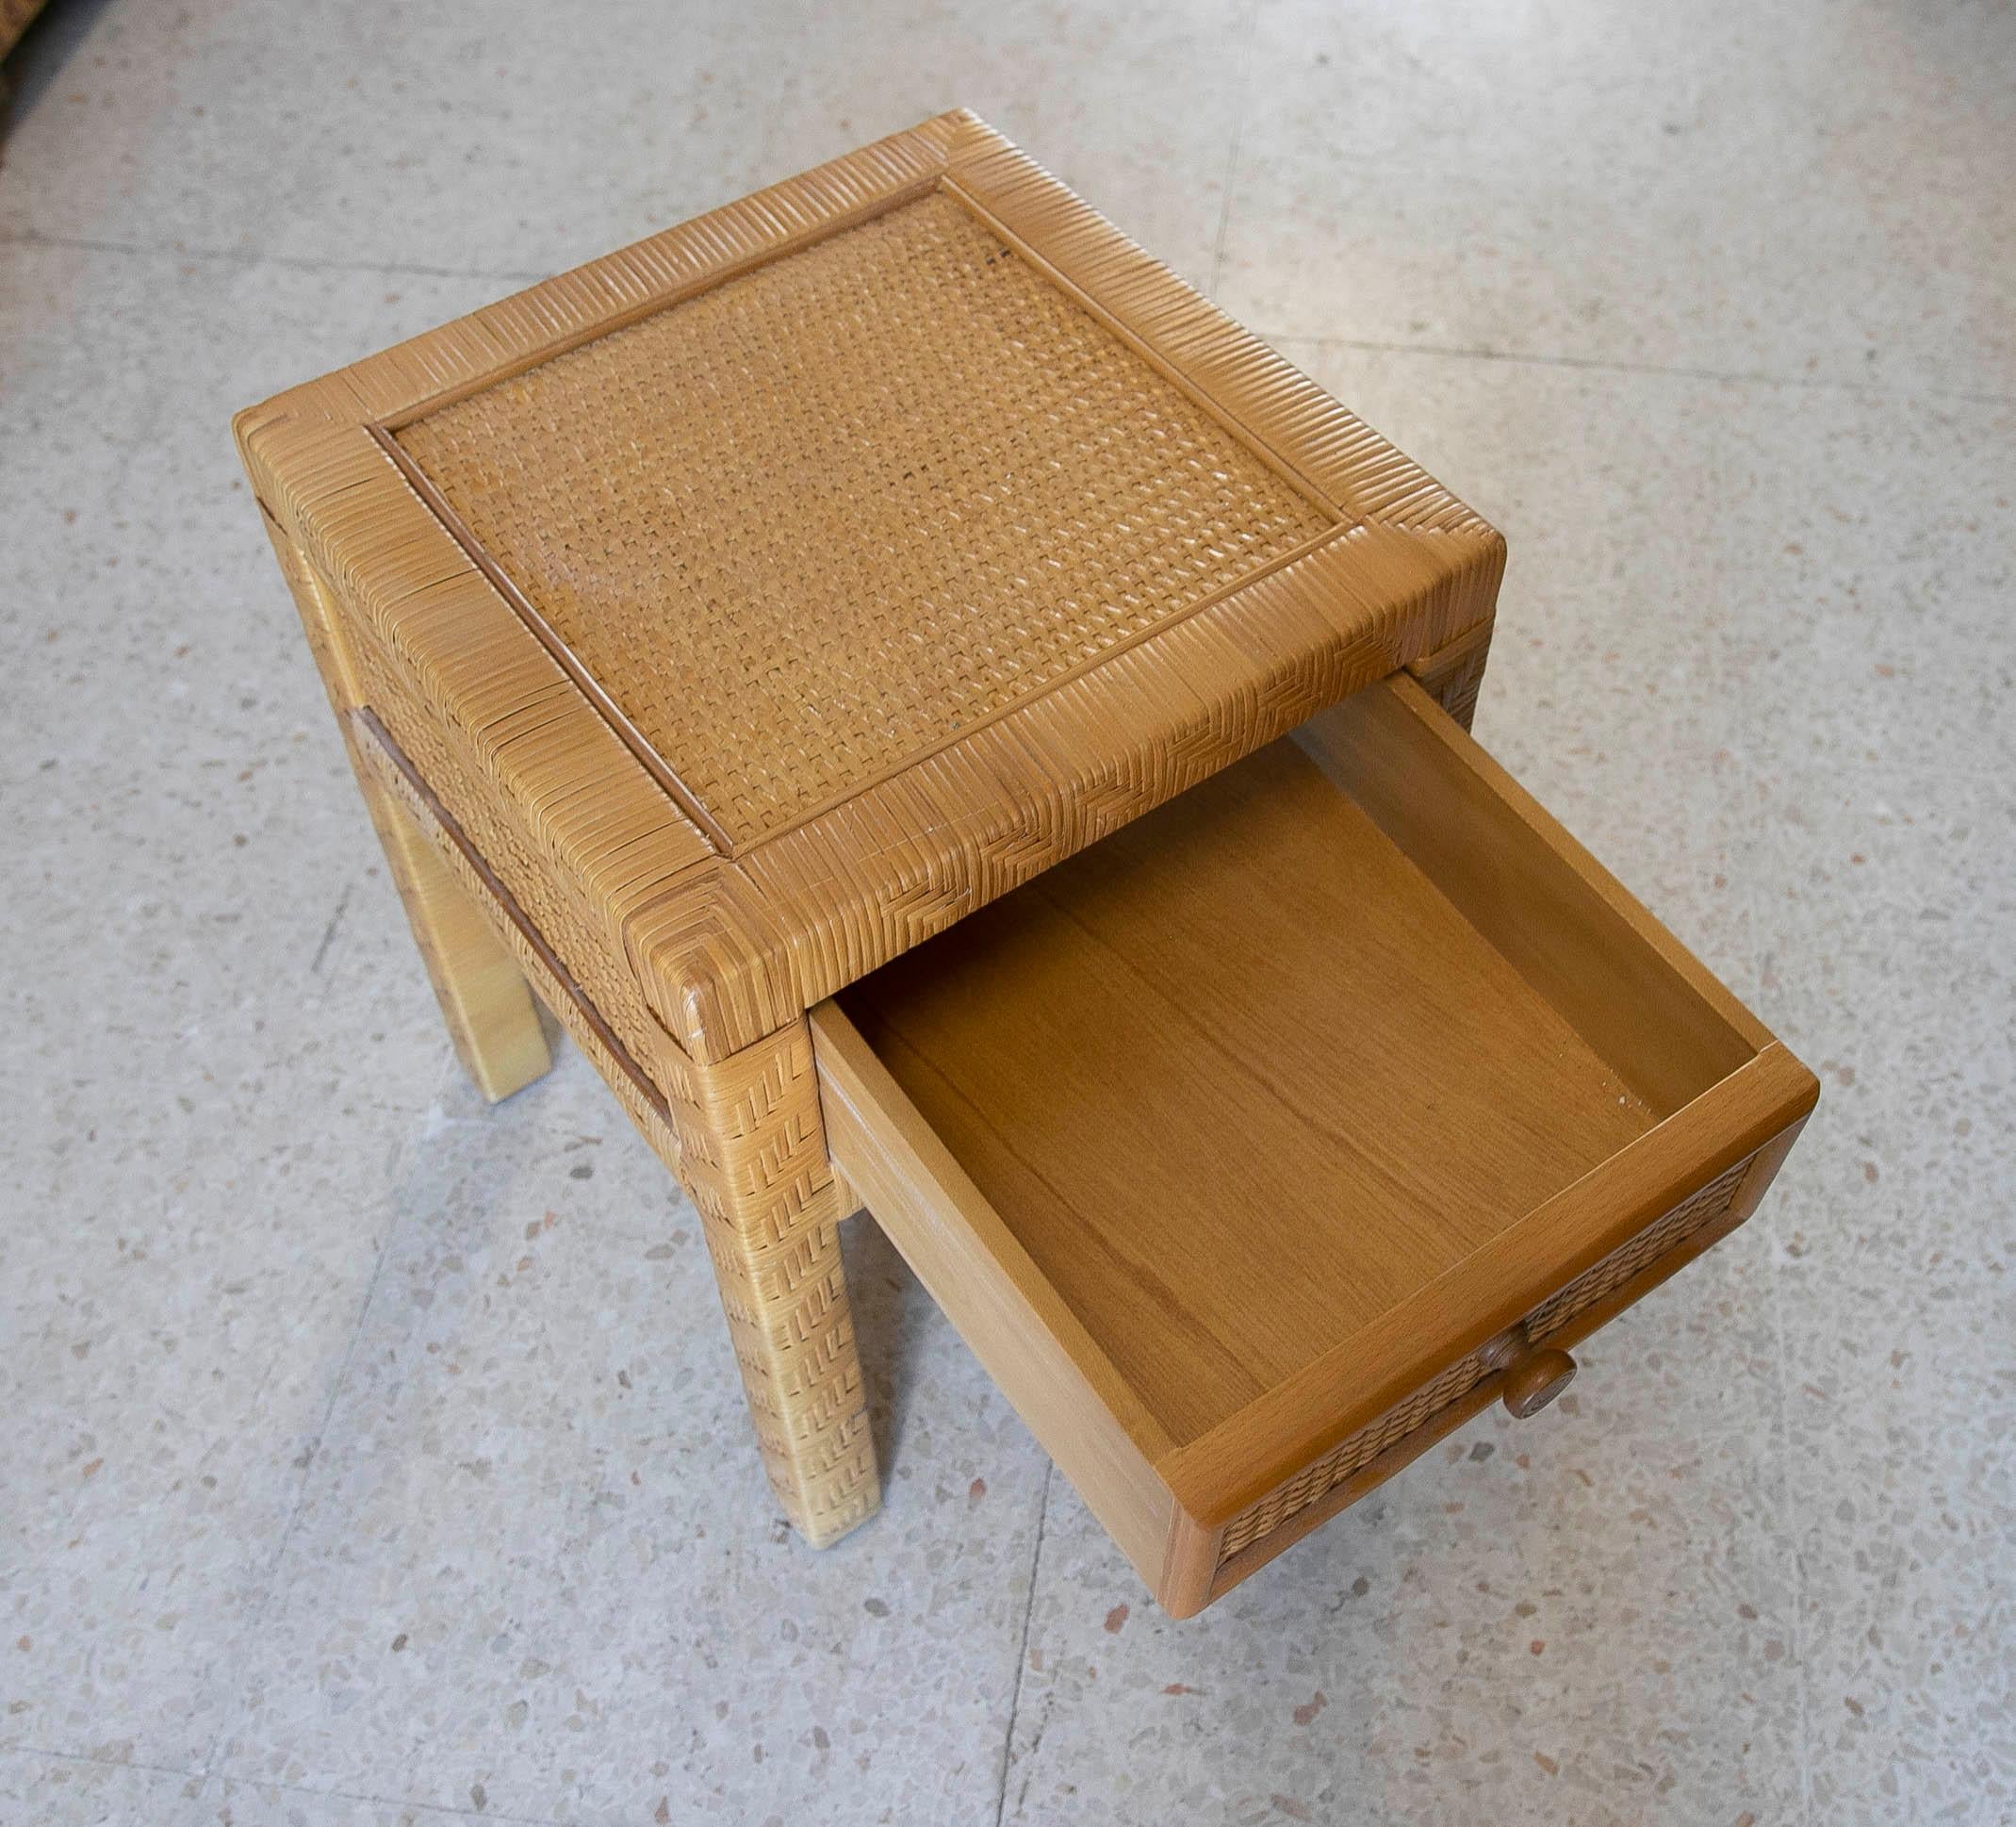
366 1456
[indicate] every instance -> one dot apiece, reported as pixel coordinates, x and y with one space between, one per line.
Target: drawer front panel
1323 1476
1553 1317
1420 1413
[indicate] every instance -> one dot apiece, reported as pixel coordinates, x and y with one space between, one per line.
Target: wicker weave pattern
744 1134
728 949
787 525
358 670
1453 675
316 603
745 1137
754 1159
547 898
1323 1476
1698 1208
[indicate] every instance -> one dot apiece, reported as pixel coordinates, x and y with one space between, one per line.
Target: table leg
1453 672
744 1133
752 1153
485 999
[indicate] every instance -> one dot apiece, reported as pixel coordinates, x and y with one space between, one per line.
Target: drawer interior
1279 1068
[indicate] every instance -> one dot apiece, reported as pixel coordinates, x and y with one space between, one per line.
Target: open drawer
1265 1141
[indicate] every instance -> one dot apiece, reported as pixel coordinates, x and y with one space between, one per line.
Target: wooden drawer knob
1536 1379
1534 1375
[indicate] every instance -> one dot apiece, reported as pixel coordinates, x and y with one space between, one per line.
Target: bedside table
952 724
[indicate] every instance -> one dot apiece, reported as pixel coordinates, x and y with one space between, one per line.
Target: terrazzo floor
367 1456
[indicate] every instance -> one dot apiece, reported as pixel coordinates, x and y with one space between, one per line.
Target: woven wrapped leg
1453 674
753 1156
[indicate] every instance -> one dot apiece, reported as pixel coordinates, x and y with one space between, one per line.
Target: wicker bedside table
838 652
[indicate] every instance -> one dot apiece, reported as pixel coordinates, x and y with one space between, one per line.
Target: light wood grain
1620 978
1044 1361
1275 1113
1240 1080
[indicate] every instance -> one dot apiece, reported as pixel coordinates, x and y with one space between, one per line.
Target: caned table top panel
811 574
811 524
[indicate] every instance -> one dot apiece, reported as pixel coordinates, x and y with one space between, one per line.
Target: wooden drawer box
1265 1142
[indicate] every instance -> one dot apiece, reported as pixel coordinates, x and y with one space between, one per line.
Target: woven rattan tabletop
810 525
814 572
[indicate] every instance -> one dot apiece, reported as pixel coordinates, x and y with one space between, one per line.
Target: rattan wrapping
585 949
1083 665
1700 1208
1320 1476
743 1134
1326 1474
744 1138
741 609
1453 675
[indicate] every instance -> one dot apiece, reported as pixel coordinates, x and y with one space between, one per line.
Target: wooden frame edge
1570 849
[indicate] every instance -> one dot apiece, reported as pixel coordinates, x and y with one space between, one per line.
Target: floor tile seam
1658 370
260 256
